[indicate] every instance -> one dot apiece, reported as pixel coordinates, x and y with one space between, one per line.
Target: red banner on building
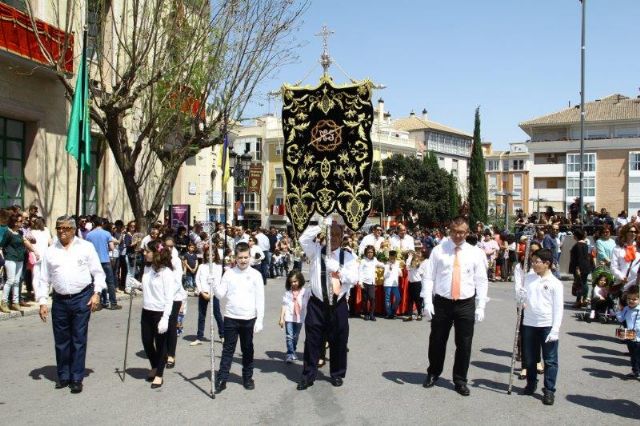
255 178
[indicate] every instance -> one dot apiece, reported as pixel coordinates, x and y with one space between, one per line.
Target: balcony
18 36
548 170
549 194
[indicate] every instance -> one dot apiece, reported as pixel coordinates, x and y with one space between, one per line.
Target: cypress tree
477 183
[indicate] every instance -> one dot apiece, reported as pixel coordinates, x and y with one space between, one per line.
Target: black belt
437 296
71 296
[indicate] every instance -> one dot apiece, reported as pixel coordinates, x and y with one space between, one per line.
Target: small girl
392 274
294 309
415 262
367 280
601 300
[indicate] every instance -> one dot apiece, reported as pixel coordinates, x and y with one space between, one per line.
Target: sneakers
195 343
4 308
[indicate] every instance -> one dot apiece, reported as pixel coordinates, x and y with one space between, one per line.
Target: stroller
603 298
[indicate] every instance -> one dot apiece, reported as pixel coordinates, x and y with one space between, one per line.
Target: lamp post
239 170
382 179
506 195
537 200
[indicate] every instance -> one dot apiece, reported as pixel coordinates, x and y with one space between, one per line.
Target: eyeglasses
633 231
64 228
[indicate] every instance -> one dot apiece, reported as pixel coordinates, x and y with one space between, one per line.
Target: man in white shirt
543 297
454 289
327 311
241 292
403 241
373 239
72 267
265 245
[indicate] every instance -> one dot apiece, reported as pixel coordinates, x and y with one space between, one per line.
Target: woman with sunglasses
626 258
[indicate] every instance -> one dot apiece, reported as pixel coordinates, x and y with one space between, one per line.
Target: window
505 165
250 200
278 201
634 161
279 178
90 184
493 165
454 167
517 186
94 27
573 187
11 162
278 149
258 156
517 165
492 187
191 161
516 206
247 147
573 161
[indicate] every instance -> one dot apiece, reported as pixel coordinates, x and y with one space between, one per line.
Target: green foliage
415 185
477 183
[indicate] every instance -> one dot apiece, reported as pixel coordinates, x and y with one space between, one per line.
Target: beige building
507 172
612 155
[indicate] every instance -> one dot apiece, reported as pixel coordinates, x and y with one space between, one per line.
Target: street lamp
538 199
506 195
239 169
382 179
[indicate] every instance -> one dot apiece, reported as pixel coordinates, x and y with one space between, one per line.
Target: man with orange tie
454 288
327 311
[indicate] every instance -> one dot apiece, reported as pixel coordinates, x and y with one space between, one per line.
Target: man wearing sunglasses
72 267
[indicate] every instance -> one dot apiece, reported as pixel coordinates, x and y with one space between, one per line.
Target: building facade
611 163
507 172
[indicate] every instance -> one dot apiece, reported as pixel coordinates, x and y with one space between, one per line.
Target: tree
170 78
414 185
477 183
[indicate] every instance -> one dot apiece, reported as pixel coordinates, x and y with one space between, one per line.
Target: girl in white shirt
392 274
208 272
158 290
294 309
415 267
255 253
367 280
543 299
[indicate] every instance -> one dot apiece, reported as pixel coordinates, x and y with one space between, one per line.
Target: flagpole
82 143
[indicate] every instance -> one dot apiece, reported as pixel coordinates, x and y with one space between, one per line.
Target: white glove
552 337
521 295
133 283
163 325
427 311
257 327
479 314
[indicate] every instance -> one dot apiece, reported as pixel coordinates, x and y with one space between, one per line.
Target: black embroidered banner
327 151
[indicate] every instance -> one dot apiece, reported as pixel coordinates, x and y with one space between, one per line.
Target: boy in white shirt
241 292
392 274
544 303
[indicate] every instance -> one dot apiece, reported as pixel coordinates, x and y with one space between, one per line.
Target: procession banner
179 215
327 153
255 178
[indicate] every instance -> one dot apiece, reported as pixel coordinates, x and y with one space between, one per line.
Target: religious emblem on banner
255 178
328 153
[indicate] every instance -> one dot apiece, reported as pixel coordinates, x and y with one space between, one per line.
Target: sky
515 59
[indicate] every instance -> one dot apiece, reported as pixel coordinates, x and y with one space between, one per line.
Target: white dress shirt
69 270
392 273
405 244
180 294
263 241
415 274
204 272
287 303
158 290
313 250
544 302
367 270
438 273
620 267
370 240
241 292
256 255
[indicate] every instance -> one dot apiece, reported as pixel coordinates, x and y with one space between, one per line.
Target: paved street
387 364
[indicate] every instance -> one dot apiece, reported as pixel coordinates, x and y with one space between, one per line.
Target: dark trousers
264 266
331 323
155 344
533 339
634 351
172 331
461 315
232 329
202 317
111 285
70 320
121 272
369 296
414 297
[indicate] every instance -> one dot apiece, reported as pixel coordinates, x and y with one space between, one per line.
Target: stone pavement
387 364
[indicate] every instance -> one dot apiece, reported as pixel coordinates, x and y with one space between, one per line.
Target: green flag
79 132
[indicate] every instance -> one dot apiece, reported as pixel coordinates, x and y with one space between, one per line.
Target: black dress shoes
336 381
249 384
62 384
548 397
462 389
76 387
430 381
220 386
303 384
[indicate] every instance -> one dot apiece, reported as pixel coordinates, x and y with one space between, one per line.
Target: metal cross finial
325 59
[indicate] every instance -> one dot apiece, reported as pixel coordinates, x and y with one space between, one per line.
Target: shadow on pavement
608 360
405 377
619 407
492 366
204 375
496 352
275 364
594 337
492 386
137 373
603 351
50 372
603 374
